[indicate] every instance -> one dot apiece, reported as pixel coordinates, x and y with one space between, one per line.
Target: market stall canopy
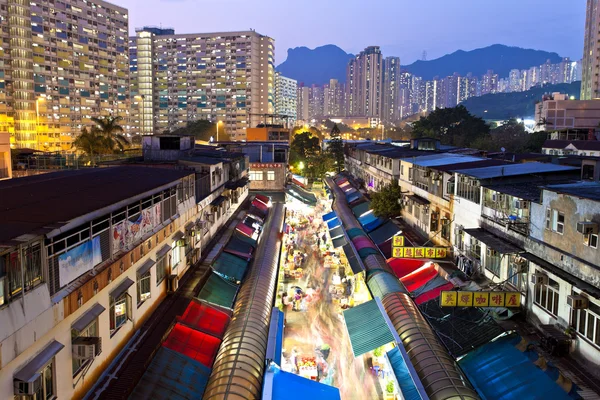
230 266
218 291
244 229
361 242
420 277
250 221
385 232
194 344
380 283
349 190
367 327
301 194
358 201
460 329
239 248
275 341
371 226
366 218
432 284
339 242
263 199
332 223
386 248
500 245
204 318
279 384
329 216
362 209
355 265
353 197
245 239
336 232
404 266
172 375
403 376
260 205
299 180
355 232
433 293
259 212
499 370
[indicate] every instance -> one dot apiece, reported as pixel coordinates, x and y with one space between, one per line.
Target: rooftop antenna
424 56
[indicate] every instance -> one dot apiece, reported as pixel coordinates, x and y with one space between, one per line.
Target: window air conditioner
539 278
587 228
84 348
173 283
27 389
577 302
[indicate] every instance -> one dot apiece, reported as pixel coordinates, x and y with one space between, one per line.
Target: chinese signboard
419 252
480 299
261 165
398 241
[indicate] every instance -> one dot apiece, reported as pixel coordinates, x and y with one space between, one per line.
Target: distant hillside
315 66
517 104
497 57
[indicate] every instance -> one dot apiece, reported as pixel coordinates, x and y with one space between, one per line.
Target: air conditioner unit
577 302
27 389
539 278
84 348
587 228
173 283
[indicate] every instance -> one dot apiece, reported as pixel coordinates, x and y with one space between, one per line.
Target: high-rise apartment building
302 104
364 83
391 89
62 63
334 99
286 97
514 80
467 87
225 77
489 83
316 102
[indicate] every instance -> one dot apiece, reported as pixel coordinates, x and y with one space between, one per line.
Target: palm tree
108 126
91 143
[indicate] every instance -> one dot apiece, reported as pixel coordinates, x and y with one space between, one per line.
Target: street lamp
301 166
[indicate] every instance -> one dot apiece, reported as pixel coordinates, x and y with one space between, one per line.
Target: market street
316 333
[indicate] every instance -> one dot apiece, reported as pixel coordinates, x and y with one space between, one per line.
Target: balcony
516 220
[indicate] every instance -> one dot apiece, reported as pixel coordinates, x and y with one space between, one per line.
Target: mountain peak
301 64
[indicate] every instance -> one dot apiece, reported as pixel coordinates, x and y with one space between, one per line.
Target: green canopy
218 291
367 327
361 209
245 238
354 232
230 266
367 251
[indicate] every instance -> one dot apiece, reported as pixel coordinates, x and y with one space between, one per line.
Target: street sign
480 299
419 252
398 241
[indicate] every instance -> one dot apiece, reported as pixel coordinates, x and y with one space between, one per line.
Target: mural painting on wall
125 233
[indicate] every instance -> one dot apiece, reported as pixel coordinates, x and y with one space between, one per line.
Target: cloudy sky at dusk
403 28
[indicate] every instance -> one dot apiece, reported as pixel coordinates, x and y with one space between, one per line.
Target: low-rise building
557 112
5 158
572 147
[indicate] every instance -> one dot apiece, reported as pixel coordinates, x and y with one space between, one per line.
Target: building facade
364 83
557 112
335 99
5 157
177 78
391 90
286 97
62 63
590 82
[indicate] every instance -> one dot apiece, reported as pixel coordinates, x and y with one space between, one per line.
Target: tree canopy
512 137
385 203
336 148
109 128
303 145
452 126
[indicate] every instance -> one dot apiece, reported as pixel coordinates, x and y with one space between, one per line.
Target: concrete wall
5 160
276 185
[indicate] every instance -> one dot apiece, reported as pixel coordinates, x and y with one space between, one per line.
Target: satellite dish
503 149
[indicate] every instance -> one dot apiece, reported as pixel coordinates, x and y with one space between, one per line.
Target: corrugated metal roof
405 381
282 385
367 328
382 283
442 159
515 169
336 232
585 190
384 232
493 241
204 318
355 265
192 343
230 266
218 291
172 376
362 208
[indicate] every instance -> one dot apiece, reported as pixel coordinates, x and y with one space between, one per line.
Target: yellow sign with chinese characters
419 252
480 299
398 241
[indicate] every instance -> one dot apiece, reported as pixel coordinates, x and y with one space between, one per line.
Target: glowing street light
301 166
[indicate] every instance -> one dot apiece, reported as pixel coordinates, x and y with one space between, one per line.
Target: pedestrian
318 242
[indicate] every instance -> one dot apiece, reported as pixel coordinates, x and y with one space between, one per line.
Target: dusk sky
403 28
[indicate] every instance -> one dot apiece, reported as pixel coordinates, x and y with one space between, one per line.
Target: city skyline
506 27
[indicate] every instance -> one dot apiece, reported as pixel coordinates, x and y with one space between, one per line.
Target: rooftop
41 203
515 170
578 144
203 159
527 191
442 159
468 164
583 190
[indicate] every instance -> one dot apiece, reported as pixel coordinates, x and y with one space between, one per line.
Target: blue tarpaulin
172 375
333 223
500 371
353 196
405 381
329 216
275 342
371 226
384 232
365 219
279 385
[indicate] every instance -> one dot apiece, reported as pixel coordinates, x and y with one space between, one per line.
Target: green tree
91 143
303 145
308 129
319 164
108 126
385 203
453 126
336 148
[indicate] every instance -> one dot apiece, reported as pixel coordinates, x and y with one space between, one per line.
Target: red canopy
360 242
404 266
205 318
245 229
260 205
433 293
194 344
418 278
262 198
340 182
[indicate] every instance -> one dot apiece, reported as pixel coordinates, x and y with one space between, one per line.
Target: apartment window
256 175
143 287
587 323
546 296
492 261
32 261
446 224
80 360
161 269
120 309
270 175
475 248
555 221
591 240
516 277
175 255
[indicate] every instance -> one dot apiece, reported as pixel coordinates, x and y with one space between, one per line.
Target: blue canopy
275 342
371 226
405 380
384 232
279 384
500 371
333 223
365 219
329 216
353 196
